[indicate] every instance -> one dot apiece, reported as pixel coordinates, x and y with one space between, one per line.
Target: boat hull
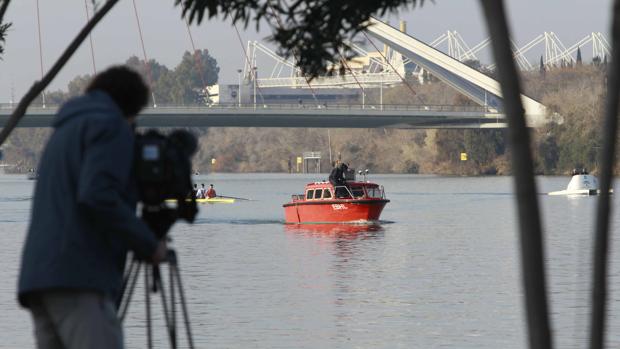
334 211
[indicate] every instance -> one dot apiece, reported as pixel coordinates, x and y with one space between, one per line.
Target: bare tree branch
39 86
601 242
3 8
532 253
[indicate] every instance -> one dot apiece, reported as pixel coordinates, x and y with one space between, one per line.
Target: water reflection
335 231
345 253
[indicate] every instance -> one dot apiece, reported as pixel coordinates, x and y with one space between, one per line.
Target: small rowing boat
215 200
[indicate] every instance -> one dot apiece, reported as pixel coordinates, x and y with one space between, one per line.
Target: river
442 270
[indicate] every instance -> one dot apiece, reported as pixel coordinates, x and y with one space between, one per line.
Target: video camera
163 170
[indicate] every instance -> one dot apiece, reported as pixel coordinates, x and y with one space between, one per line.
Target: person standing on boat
335 174
211 192
194 191
84 217
337 178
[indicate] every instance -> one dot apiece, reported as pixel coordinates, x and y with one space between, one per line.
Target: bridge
283 115
480 88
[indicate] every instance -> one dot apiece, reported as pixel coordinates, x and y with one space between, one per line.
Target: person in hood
84 219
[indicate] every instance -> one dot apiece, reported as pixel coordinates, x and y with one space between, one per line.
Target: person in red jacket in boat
211 192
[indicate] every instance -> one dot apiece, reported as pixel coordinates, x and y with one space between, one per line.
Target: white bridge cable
247 64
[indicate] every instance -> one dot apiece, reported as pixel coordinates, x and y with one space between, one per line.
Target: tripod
153 283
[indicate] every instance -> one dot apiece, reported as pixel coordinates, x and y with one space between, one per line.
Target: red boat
355 202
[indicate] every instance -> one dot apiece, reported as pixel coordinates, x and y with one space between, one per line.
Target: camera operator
84 217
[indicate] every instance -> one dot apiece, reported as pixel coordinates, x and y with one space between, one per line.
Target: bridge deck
333 116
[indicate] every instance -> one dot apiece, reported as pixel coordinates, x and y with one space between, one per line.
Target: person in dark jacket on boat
84 217
335 176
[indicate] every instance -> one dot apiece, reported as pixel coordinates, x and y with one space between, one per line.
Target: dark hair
125 86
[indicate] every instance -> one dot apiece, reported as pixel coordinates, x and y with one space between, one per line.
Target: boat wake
237 221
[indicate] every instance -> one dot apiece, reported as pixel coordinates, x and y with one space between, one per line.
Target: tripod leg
177 276
170 326
173 312
125 299
147 303
126 280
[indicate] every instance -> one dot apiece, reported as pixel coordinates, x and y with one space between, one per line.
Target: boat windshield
374 192
357 192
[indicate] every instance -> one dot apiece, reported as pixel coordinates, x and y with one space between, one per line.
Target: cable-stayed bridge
480 88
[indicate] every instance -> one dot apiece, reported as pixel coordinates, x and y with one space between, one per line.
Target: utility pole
381 91
239 90
254 73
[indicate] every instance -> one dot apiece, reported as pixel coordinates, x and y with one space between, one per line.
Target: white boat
582 183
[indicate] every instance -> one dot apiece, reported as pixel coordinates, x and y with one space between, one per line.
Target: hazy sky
165 35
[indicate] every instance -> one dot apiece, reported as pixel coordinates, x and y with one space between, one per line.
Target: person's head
203 185
195 185
211 186
126 88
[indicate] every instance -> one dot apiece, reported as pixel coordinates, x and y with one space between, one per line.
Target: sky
116 38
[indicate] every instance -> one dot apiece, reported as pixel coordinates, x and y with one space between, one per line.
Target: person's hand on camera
161 252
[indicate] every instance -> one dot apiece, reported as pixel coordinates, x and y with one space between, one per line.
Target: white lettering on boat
339 207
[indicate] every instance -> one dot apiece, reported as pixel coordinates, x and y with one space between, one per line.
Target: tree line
182 85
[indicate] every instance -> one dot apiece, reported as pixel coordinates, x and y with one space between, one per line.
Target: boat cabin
353 190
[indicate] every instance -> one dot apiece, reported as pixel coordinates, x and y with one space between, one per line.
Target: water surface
441 271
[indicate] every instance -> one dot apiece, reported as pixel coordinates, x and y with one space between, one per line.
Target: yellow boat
215 200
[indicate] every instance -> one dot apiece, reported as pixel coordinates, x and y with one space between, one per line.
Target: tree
195 72
4 27
542 69
78 85
156 75
578 60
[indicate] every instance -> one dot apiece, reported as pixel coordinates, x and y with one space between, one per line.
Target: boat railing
346 189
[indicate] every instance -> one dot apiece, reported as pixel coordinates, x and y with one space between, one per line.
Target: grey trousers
75 319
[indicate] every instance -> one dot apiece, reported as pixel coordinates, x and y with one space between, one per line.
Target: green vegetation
576 93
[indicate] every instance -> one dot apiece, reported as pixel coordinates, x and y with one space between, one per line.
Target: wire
90 38
197 59
40 50
388 62
249 64
295 55
146 60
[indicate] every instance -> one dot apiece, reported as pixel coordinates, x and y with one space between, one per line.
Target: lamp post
239 90
381 91
254 78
